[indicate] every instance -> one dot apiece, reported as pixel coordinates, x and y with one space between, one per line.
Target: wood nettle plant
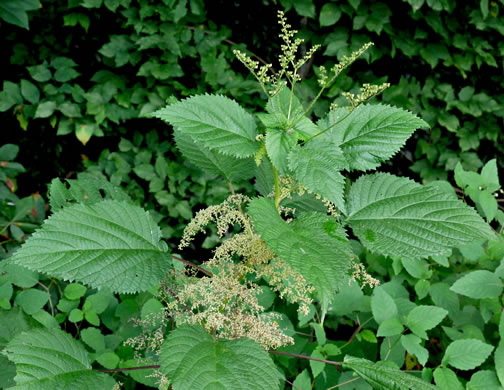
292 237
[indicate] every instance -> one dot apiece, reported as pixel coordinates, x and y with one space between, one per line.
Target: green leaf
32 300
94 338
390 327
383 377
8 152
466 354
109 360
109 244
313 244
395 216
484 380
329 14
233 169
490 175
216 122
447 379
371 134
7 373
317 166
489 204
92 317
411 343
40 72
383 305
45 109
278 145
303 381
317 367
65 74
30 92
70 110
76 315
191 359
423 318
10 96
319 333
478 284
48 359
278 106
499 360
74 291
84 132
305 8
445 298
14 11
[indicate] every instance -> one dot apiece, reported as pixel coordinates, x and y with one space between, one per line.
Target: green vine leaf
371 134
395 216
314 244
191 359
109 244
383 377
233 169
48 359
317 166
215 121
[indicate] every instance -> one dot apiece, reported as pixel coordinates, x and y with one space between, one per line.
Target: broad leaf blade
466 354
397 217
314 245
423 318
109 244
372 133
383 377
86 189
478 284
48 359
193 360
215 121
232 168
317 166
278 145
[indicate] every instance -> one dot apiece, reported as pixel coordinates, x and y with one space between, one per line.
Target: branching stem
187 262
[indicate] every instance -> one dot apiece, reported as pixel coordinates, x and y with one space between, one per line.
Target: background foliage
78 81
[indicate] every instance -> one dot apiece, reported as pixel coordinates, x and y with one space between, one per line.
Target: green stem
329 128
277 187
291 95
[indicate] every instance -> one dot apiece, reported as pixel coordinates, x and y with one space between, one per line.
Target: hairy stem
337 364
277 187
130 368
186 262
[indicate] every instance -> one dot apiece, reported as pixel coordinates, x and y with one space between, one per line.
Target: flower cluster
367 92
226 303
360 273
224 215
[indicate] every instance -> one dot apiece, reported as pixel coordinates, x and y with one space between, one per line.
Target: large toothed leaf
232 168
372 133
383 377
395 216
215 121
278 145
314 244
109 244
192 360
317 166
49 359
